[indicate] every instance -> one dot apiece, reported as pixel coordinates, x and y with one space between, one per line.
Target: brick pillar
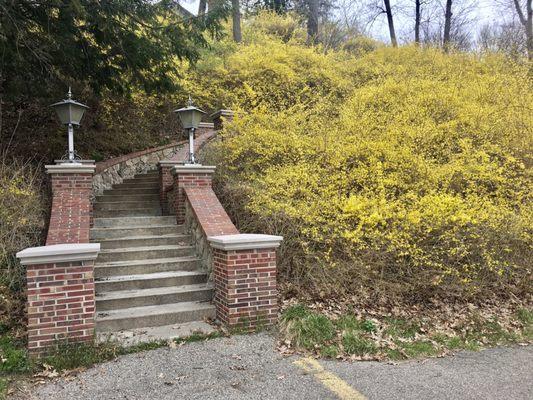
70 218
60 293
166 182
220 116
189 176
244 267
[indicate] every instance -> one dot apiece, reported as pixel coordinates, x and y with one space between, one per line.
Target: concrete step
131 191
144 179
167 314
150 174
137 185
143 241
125 205
149 281
139 267
144 253
99 234
150 297
130 222
135 212
134 336
127 197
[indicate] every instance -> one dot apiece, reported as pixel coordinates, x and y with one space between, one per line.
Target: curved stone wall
115 170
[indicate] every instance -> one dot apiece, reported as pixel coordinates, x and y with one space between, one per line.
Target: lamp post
70 113
190 118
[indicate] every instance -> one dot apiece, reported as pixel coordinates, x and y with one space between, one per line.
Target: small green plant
13 357
368 326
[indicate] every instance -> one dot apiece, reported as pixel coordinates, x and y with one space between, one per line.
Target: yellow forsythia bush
404 169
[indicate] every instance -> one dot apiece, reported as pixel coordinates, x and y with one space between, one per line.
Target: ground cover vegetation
400 178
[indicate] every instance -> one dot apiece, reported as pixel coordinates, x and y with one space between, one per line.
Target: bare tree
526 19
236 14
390 21
418 17
202 6
508 38
312 20
447 25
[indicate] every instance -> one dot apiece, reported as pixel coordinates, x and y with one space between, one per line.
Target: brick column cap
245 241
193 169
70 168
222 113
58 253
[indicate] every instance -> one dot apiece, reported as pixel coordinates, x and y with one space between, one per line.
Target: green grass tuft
307 329
355 344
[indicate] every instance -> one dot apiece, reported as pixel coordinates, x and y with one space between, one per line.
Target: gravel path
249 367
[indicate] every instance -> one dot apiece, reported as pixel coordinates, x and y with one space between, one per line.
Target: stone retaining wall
115 170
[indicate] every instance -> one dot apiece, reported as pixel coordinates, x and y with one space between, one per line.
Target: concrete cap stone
245 241
70 168
193 168
169 163
222 113
206 125
59 253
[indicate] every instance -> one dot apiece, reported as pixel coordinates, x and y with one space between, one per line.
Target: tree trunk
202 7
237 35
417 21
312 21
447 25
529 30
526 21
390 21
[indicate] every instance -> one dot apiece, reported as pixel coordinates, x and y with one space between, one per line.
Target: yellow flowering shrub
22 211
404 168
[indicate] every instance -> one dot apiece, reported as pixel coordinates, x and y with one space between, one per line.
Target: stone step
149 281
134 212
131 191
144 253
128 197
148 316
150 297
125 205
143 241
131 222
98 234
139 267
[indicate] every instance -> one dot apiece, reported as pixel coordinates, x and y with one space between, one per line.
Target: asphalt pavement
249 367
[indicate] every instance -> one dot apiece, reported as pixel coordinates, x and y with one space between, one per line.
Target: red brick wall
209 212
70 217
165 185
245 287
60 304
183 180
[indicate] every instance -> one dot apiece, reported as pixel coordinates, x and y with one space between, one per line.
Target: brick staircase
147 273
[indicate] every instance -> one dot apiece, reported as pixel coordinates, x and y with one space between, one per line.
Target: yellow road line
328 379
